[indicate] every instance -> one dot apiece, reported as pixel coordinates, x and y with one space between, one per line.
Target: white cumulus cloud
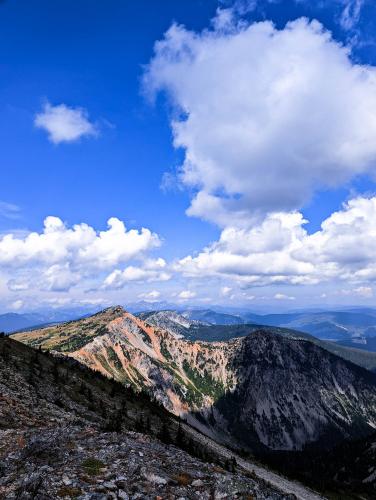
186 294
64 123
60 257
265 116
282 296
150 296
279 250
120 278
17 305
80 245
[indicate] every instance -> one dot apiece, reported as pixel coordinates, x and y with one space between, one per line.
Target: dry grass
92 466
183 479
216 468
21 442
68 491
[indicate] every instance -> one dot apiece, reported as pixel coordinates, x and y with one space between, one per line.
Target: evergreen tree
180 437
164 434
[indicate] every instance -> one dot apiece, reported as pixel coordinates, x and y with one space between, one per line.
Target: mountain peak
109 313
114 309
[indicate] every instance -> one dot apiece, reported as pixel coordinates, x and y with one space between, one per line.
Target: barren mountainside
263 390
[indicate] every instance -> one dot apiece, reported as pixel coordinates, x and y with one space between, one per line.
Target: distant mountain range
11 322
352 328
327 325
334 325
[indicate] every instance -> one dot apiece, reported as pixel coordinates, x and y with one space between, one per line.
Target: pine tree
180 437
164 434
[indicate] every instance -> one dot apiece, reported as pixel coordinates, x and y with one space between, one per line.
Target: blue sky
97 122
75 54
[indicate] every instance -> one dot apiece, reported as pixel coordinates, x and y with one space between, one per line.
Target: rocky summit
260 392
66 432
176 323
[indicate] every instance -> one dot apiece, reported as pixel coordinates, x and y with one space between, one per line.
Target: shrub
68 491
184 479
92 466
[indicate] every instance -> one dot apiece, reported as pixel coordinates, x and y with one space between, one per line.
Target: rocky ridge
176 323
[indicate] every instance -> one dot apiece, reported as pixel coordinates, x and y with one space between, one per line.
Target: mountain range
11 322
179 325
261 391
353 328
326 325
272 393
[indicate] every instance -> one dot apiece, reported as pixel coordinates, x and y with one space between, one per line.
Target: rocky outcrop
84 463
177 324
263 390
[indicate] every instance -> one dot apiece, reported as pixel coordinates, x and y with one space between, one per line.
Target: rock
110 485
219 495
197 483
121 482
154 478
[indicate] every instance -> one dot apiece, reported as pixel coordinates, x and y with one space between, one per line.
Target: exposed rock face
172 321
262 390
